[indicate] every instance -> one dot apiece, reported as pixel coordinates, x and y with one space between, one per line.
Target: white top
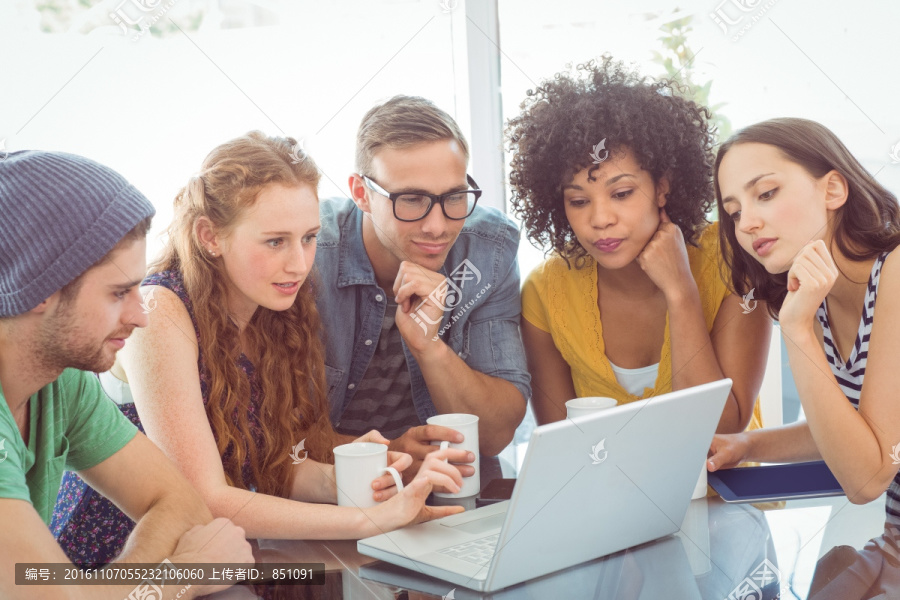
118 391
635 380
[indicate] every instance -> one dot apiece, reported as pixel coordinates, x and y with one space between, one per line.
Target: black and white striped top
850 374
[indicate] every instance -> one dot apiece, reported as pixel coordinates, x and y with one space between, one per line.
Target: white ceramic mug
468 426
586 406
356 465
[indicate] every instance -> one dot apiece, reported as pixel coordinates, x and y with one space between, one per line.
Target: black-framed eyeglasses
413 207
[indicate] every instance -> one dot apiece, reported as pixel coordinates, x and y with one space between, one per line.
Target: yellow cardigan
563 303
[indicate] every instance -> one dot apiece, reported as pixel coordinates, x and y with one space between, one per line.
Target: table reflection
871 572
821 549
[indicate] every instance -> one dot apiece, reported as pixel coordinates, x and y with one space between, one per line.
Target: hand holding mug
359 467
417 442
467 425
408 506
384 486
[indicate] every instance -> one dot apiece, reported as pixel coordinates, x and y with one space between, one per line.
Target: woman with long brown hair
228 378
813 234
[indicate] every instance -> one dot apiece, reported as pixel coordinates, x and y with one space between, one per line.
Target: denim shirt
481 299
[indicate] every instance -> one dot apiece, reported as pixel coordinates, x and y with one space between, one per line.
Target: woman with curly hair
613 172
229 376
816 235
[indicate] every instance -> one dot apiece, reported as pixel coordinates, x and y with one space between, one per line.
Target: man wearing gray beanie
72 255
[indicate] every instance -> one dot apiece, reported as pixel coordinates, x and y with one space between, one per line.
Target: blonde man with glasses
420 289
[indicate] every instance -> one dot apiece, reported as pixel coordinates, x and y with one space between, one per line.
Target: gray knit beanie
59 214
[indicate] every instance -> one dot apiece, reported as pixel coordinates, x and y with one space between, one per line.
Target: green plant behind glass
677 59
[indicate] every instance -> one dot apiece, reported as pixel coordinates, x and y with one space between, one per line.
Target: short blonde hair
401 122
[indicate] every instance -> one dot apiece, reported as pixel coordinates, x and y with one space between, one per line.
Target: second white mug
468 426
586 406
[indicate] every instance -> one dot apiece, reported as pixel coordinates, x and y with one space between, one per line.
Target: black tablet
775 482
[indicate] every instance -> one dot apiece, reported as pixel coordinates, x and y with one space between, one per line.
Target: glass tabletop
825 548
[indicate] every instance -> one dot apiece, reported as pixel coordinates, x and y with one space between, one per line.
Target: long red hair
290 357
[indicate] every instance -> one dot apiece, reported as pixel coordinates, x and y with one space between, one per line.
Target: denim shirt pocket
459 340
333 378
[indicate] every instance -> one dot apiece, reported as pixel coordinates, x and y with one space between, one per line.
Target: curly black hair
566 116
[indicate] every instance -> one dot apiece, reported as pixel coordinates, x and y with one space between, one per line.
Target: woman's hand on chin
665 261
810 278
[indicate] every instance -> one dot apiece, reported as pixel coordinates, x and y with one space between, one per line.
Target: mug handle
398 481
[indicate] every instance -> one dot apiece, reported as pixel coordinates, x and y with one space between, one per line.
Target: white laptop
588 487
651 571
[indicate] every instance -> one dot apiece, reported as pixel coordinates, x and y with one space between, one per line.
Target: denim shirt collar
354 266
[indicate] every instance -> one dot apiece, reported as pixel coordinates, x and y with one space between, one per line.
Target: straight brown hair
867 225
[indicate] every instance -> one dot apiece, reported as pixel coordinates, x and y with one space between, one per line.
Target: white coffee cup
700 488
468 426
356 465
586 406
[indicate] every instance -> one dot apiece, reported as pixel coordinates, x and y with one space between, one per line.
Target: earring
212 253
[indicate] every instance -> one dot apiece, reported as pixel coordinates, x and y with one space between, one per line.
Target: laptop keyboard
478 551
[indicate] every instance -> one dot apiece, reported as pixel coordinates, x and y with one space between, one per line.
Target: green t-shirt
73 426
